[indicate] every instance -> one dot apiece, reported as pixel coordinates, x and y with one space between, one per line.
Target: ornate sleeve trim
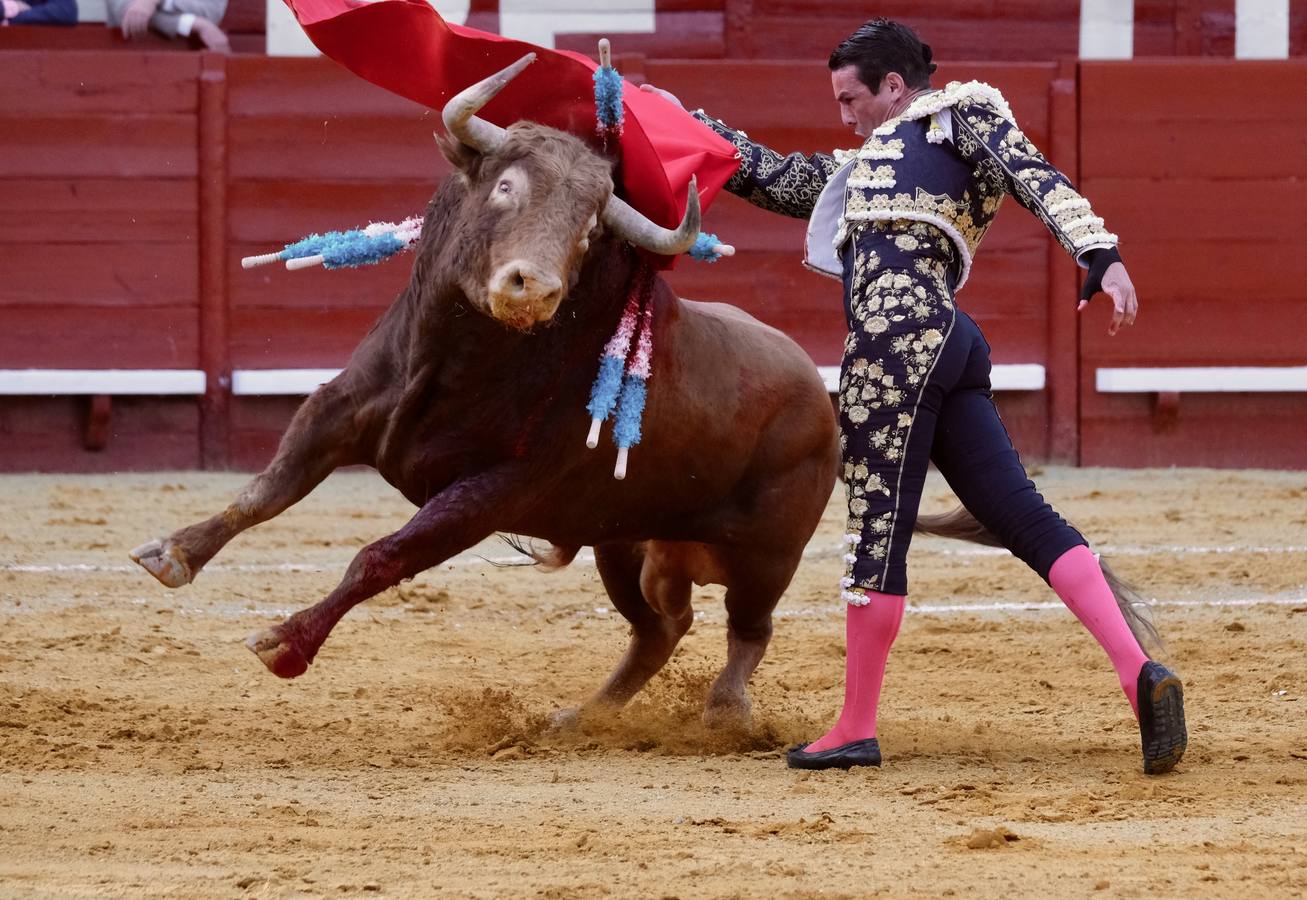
1062 209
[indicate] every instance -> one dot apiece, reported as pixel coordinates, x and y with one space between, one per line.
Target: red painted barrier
1199 166
131 184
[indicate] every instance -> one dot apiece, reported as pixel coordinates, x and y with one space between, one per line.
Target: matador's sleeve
1006 156
784 184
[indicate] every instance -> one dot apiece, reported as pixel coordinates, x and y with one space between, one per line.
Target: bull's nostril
518 281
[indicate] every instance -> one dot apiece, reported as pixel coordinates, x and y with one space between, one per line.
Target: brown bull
469 396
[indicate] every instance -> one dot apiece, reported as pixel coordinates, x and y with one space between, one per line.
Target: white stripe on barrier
116 382
1261 29
1004 377
1107 29
1205 379
279 382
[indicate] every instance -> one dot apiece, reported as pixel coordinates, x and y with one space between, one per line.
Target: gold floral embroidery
1014 164
877 179
900 316
1003 161
788 185
876 148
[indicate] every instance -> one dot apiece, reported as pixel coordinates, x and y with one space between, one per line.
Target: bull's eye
510 188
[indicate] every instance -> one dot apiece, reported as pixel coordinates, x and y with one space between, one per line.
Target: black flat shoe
857 753
1162 734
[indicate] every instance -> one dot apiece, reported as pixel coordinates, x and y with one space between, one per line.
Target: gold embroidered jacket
949 160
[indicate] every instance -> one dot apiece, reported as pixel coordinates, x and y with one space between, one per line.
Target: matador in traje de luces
898 221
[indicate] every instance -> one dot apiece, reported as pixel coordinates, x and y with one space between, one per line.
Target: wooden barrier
125 209
1201 174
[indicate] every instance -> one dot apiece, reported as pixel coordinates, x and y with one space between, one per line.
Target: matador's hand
1115 281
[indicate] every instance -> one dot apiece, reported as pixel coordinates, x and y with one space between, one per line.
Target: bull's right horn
632 225
460 112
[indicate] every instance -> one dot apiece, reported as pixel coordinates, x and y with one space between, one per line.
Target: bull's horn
629 224
460 112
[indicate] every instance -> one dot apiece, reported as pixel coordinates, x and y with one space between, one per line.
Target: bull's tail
959 525
551 559
962 525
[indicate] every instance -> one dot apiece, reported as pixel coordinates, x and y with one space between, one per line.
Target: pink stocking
1078 580
870 630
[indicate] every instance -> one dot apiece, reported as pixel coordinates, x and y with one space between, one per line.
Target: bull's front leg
457 518
322 437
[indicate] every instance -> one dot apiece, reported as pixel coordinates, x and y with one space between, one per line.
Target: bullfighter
899 221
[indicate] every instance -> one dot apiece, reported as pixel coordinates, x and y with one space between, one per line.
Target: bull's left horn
460 116
633 226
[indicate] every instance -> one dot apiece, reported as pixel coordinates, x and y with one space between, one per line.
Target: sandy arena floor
144 752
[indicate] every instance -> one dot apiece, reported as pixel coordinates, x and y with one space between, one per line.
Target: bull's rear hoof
166 563
278 653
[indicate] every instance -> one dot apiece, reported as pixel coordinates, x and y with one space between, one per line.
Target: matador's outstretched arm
788 185
1000 150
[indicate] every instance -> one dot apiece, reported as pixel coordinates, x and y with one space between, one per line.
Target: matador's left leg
975 454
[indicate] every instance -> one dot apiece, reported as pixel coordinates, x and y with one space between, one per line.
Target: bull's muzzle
523 294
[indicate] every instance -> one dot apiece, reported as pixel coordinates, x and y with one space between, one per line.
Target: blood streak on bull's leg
452 521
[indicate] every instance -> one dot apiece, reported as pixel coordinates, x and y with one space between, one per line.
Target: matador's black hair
882 46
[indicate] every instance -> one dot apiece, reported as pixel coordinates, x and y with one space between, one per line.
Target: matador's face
860 109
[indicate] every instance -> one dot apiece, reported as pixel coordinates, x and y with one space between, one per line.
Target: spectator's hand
14 7
136 19
666 95
1118 286
210 35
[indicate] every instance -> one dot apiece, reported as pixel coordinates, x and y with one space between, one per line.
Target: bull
469 397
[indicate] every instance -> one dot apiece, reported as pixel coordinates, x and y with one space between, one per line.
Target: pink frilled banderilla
624 370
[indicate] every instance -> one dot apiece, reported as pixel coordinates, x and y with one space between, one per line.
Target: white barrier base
117 382
1214 379
1006 377
279 382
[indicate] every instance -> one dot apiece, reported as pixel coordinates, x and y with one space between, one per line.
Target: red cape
405 46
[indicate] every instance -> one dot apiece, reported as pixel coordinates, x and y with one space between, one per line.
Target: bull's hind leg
654 597
754 585
321 438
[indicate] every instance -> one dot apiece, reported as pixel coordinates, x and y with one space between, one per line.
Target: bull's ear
460 156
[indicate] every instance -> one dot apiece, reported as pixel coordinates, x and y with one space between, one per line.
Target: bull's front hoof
166 563
565 720
728 714
278 652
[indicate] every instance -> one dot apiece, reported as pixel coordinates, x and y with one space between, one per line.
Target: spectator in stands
172 18
40 12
